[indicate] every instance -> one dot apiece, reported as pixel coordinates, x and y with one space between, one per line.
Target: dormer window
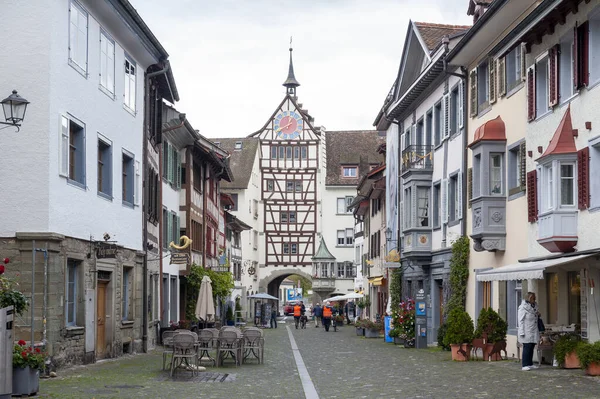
238 145
349 171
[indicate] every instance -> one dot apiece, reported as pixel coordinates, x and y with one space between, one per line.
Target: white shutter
501 77
459 193
136 189
473 92
492 69
444 201
523 63
63 147
461 104
446 116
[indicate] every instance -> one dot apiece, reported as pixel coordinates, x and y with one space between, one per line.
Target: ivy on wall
459 275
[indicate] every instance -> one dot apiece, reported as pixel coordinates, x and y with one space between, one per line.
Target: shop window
552 298
574 298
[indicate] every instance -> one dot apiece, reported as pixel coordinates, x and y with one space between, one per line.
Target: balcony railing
417 157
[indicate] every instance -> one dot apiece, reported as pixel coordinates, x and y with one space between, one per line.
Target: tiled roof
563 141
473 3
432 34
354 147
241 161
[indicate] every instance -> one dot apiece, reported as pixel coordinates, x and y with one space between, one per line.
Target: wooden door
101 319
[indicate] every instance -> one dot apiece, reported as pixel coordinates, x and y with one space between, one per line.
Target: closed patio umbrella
205 306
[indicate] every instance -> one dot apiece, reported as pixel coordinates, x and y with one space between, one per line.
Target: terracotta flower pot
461 352
571 361
593 369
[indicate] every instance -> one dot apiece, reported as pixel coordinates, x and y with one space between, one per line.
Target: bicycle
333 324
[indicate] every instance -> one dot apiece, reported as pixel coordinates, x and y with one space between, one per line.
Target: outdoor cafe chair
167 341
184 350
254 344
230 343
206 342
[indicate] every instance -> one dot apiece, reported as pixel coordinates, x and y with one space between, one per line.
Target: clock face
288 125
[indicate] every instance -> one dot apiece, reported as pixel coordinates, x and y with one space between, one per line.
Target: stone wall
74 344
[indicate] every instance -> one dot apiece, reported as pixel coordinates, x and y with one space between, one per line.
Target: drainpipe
145 323
465 136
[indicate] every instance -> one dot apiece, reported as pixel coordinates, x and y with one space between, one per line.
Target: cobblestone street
333 361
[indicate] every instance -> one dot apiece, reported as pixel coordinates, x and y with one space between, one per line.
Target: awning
526 270
376 280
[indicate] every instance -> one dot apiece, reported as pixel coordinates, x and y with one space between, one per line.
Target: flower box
360 331
371 333
25 381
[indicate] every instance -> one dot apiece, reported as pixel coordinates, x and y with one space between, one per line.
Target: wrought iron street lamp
14 107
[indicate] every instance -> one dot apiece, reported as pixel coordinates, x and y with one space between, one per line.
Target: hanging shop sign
180 258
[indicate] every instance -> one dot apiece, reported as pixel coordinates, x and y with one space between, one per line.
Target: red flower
21 342
37 350
24 355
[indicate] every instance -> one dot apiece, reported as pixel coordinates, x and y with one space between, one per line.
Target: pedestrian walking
529 334
273 318
297 314
318 314
327 314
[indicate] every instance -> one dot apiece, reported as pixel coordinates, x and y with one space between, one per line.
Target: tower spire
291 83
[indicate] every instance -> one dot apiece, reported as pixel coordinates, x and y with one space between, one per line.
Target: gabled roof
351 147
323 253
305 116
563 141
241 161
432 34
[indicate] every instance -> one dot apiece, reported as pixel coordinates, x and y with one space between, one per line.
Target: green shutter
169 229
178 229
178 177
170 172
165 160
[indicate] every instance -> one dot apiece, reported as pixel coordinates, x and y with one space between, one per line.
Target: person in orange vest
297 313
327 315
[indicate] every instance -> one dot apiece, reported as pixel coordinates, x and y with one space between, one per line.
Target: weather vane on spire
291 83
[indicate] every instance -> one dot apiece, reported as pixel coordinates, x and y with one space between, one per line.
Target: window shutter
459 193
531 93
63 147
523 164
469 186
501 76
444 201
165 160
473 92
576 56
177 229
461 104
178 175
492 82
553 76
583 178
446 116
584 43
413 136
136 188
523 63
170 171
169 229
532 201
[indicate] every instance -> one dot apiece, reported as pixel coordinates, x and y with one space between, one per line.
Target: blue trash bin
387 325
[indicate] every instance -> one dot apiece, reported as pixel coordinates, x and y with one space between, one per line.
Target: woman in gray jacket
529 334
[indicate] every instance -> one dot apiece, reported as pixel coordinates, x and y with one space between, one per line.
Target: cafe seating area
211 347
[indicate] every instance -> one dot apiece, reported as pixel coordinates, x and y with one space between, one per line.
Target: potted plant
440 337
360 329
406 322
372 329
395 334
565 351
492 329
459 334
339 320
589 357
229 316
27 363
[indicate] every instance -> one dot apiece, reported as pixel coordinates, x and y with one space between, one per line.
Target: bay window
496 174
423 206
559 185
567 185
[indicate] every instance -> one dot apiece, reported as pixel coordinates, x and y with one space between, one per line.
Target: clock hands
284 127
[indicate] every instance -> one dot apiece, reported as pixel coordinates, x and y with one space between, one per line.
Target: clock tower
291 83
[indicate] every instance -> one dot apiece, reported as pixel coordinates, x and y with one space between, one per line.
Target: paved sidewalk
340 365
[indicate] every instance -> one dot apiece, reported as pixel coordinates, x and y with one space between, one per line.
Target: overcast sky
230 57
